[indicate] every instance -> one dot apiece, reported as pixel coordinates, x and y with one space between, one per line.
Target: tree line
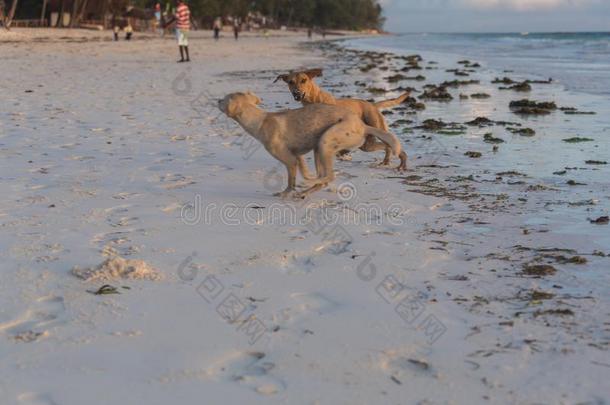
334 14
328 14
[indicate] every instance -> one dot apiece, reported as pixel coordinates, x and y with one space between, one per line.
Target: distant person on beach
159 26
309 33
128 32
216 28
183 26
116 30
236 28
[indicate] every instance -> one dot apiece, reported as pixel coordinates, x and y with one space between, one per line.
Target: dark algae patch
577 139
522 87
529 107
600 221
522 131
540 295
489 138
539 270
106 289
438 93
556 312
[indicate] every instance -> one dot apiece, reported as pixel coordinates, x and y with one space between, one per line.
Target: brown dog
305 90
288 135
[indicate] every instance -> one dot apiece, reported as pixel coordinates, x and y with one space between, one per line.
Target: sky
496 15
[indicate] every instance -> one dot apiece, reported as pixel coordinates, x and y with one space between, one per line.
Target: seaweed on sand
489 138
437 93
522 87
458 83
539 270
529 107
480 95
522 131
577 139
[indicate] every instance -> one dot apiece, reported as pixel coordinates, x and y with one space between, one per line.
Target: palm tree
7 20
11 14
44 11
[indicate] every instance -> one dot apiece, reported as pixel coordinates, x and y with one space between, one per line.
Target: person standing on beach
183 26
216 28
236 28
159 24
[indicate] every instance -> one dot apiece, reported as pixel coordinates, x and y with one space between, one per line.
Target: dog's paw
381 164
309 182
285 194
347 157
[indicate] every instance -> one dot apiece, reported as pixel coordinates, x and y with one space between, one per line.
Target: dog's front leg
305 169
291 167
324 163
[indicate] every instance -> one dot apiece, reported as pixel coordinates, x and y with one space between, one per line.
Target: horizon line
501 32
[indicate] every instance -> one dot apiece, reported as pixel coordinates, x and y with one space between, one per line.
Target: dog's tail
393 102
386 137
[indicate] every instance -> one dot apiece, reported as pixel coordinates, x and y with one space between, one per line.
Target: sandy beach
476 276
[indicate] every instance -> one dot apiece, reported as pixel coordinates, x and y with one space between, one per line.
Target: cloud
524 5
518 5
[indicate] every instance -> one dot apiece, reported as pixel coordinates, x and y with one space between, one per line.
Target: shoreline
428 301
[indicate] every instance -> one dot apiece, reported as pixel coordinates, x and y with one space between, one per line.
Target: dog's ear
281 77
231 108
311 73
254 97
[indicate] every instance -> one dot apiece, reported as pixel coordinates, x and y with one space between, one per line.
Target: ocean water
563 190
579 61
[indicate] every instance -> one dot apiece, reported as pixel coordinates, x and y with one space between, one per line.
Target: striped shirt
183 17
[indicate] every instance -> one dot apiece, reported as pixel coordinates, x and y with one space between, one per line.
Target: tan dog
288 135
305 90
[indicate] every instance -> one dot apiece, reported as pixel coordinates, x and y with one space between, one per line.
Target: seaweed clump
522 131
522 87
529 107
438 93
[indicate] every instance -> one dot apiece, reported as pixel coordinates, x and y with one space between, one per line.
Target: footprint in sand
32 398
118 216
249 369
406 365
307 305
45 313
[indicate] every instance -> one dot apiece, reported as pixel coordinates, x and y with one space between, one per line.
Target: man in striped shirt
183 25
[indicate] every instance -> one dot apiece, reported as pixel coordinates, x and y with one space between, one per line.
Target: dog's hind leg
327 173
339 136
375 119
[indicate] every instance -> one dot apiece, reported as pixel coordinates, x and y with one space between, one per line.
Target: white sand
118 150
